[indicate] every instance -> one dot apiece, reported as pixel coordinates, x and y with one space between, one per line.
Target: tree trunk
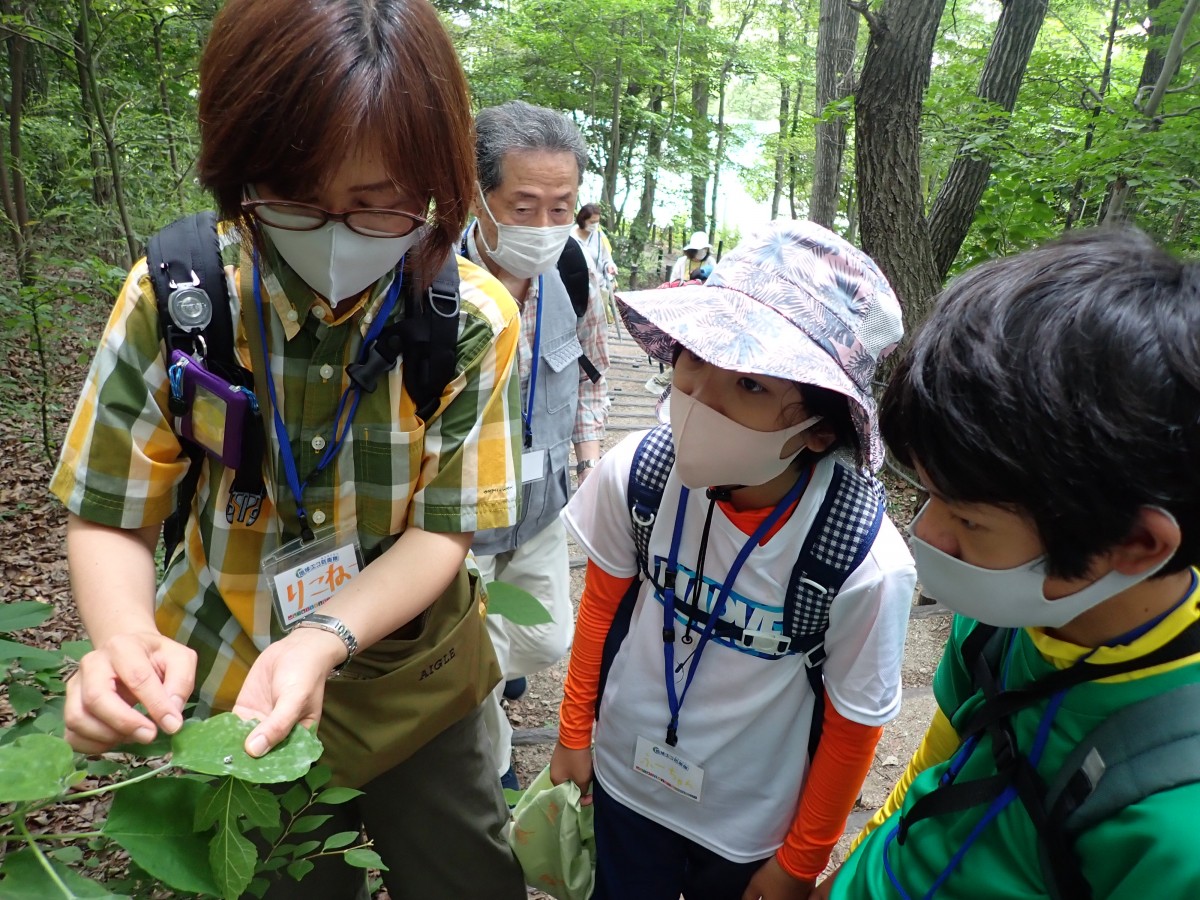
608 194
700 126
781 147
837 37
793 156
640 229
954 210
1168 66
12 183
101 182
164 102
1076 207
888 150
110 143
726 68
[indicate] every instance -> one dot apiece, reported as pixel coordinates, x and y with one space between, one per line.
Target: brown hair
288 88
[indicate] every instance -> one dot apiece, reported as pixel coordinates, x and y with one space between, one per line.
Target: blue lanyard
674 699
353 393
1007 796
527 413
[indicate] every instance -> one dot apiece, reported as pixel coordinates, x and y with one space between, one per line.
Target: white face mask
591 227
1009 598
711 450
336 262
525 250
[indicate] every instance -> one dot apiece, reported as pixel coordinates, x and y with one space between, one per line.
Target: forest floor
36 399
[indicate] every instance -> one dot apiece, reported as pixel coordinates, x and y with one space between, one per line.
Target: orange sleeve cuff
602 595
844 757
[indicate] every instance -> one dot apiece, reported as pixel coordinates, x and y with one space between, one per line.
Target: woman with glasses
336 140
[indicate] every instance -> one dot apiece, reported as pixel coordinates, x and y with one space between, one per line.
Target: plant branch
118 785
43 862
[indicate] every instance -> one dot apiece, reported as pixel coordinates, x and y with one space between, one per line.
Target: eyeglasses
291 216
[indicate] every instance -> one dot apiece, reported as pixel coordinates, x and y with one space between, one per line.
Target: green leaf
318 776
76 650
23 878
337 795
299 868
364 858
294 799
215 747
31 657
232 858
258 887
306 847
25 699
305 824
23 614
66 855
341 839
153 821
35 767
234 799
518 606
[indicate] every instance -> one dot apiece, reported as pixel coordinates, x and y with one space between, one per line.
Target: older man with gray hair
530 163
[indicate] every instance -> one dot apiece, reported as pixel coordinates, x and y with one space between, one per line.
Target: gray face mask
336 262
1009 598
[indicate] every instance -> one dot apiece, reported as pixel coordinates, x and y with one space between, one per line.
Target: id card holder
303 576
533 466
215 412
665 765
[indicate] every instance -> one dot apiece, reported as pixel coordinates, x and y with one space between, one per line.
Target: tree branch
863 8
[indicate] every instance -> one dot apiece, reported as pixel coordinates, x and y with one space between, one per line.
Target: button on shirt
122 462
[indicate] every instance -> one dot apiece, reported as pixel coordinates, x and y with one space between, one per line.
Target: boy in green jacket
1051 408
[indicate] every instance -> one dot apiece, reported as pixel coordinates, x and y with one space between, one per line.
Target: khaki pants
541 567
438 821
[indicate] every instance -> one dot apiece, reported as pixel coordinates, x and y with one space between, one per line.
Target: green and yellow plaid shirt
122 459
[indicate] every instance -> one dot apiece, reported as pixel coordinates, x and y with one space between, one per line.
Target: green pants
436 820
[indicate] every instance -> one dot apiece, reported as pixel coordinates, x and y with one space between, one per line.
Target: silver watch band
585 464
333 626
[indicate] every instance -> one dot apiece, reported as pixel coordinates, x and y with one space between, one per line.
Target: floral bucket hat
793 300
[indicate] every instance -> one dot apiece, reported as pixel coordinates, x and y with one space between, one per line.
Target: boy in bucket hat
727 795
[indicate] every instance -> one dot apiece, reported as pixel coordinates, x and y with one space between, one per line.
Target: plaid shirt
591 416
122 459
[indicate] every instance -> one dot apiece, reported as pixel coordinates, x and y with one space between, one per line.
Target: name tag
533 466
303 579
666 766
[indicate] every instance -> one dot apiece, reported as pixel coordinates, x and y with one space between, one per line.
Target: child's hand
573 765
771 882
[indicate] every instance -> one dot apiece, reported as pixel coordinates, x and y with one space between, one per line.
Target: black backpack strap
573 270
426 335
842 534
187 254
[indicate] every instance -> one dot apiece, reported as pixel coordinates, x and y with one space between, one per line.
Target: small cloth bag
554 840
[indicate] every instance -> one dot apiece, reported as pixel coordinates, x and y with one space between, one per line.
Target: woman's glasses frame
406 223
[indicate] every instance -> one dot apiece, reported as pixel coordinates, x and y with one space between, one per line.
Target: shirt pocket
386 467
562 387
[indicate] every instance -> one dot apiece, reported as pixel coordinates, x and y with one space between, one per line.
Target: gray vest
553 410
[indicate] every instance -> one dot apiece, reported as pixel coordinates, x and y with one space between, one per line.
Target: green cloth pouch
554 840
399 694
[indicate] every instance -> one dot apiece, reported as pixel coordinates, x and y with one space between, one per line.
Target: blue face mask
1009 598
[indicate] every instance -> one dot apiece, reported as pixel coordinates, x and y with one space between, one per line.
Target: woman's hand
129 668
573 765
286 685
771 882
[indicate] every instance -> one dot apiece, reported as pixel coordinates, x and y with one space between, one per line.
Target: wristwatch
333 626
585 464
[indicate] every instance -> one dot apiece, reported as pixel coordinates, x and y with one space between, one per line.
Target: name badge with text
668 768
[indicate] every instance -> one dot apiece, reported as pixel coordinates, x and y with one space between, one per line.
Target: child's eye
968 524
749 384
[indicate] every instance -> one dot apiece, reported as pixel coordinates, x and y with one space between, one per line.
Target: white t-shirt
746 716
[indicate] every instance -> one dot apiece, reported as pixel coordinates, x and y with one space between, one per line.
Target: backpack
185 257
840 538
1146 747
573 270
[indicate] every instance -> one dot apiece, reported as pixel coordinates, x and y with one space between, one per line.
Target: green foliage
518 606
199 823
